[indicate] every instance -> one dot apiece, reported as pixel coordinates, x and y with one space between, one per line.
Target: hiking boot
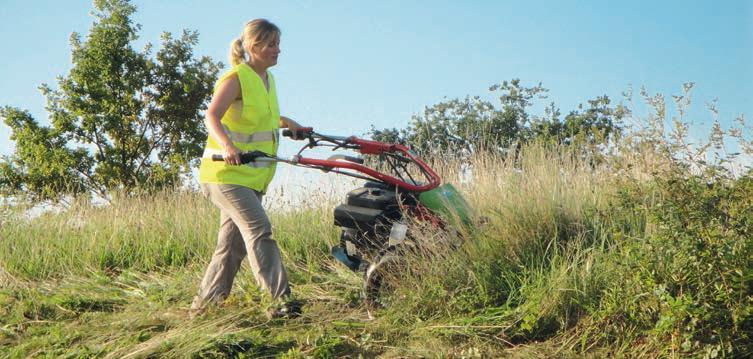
288 310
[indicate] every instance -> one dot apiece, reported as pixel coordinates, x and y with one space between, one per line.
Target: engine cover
369 197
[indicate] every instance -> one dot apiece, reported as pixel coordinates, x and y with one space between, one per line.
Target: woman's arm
226 93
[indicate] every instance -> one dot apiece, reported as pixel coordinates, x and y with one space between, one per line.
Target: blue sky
348 65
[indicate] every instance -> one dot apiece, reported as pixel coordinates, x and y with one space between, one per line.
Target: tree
593 126
458 127
120 120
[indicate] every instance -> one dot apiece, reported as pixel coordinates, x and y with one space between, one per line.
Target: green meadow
630 255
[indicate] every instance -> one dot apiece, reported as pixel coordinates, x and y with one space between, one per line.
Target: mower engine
371 223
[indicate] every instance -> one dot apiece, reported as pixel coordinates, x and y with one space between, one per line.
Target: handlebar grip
301 132
245 157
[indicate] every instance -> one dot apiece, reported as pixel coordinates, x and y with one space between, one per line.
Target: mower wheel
377 278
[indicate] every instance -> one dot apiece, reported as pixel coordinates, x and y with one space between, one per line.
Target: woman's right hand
223 97
231 154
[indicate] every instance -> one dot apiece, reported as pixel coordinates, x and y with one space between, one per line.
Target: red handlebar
373 147
369 147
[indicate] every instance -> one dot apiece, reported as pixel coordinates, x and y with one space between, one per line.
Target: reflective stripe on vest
209 152
260 136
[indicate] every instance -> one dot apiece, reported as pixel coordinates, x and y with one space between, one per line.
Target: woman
244 116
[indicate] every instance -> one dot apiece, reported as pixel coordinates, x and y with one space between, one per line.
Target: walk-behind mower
375 218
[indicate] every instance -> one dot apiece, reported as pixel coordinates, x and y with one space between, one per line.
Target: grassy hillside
568 257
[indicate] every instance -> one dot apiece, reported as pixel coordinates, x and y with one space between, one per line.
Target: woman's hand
231 154
291 125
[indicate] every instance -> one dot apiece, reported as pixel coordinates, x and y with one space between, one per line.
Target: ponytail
237 54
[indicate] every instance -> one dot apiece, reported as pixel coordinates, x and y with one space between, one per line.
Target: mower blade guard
446 201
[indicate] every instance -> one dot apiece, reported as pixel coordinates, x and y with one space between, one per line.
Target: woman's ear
248 49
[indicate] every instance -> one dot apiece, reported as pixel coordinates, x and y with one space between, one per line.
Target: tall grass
558 262
532 265
166 229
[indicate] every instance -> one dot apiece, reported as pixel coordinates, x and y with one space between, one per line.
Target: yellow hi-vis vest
251 123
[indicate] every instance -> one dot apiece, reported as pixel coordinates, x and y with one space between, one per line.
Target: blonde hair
254 32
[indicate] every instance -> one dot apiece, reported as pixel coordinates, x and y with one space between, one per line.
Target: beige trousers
244 229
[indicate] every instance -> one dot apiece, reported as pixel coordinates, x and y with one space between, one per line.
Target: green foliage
121 119
695 270
42 164
593 126
463 126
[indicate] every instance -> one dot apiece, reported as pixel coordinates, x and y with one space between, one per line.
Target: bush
691 278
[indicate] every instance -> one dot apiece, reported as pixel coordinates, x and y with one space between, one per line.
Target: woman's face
265 54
